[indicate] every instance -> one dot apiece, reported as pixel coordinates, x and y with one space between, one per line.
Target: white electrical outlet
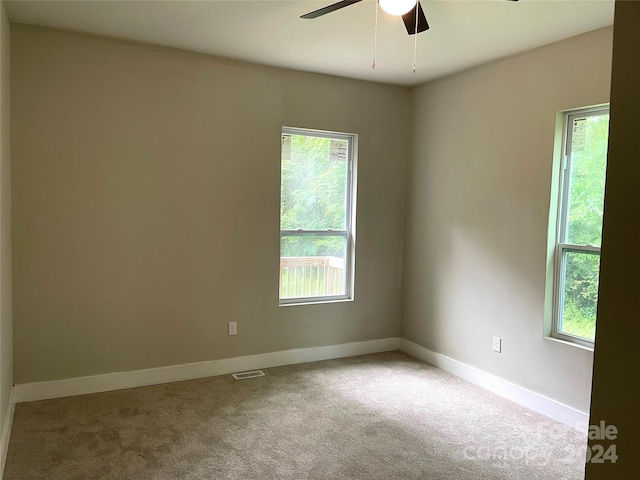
497 344
233 328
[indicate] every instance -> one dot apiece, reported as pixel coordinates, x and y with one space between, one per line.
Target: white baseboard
539 403
6 431
29 392
116 381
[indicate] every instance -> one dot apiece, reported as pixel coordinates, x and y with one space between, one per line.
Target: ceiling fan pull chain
375 38
415 38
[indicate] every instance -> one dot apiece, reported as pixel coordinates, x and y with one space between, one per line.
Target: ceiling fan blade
409 19
329 9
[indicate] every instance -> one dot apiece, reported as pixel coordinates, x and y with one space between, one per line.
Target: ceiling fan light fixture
397 7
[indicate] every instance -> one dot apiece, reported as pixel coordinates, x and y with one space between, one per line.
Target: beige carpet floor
383 416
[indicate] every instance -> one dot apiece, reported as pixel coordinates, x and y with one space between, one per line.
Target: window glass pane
314 183
580 300
312 265
588 167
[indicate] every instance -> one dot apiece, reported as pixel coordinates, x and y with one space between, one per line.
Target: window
317 205
579 232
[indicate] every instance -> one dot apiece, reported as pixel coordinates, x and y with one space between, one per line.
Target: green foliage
581 294
577 323
313 188
313 197
312 246
585 211
588 171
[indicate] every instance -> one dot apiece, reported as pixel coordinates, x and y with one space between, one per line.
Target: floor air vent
252 374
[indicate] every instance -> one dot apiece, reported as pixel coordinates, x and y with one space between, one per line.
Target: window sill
316 302
571 344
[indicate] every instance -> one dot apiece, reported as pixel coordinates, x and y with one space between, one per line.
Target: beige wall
146 183
146 198
616 385
478 200
6 319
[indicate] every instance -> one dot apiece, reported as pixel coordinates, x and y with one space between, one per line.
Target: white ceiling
463 33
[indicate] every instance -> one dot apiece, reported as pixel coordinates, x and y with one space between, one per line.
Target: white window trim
348 233
561 248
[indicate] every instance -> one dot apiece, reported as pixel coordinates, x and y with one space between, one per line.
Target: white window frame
562 247
348 233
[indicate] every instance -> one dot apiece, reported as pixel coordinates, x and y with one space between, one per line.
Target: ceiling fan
405 8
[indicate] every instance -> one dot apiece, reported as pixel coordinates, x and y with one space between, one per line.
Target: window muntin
580 225
316 216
